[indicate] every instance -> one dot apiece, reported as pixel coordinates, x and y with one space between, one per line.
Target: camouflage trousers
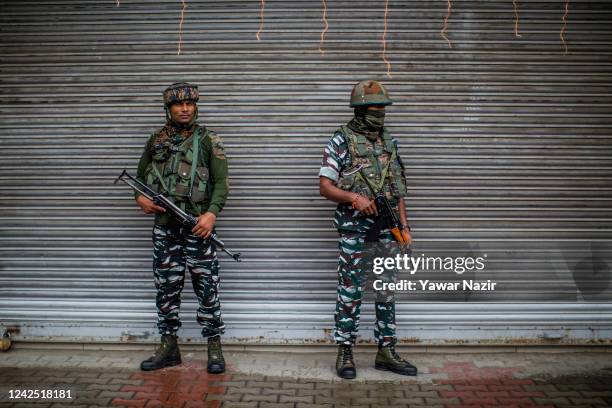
354 266
175 249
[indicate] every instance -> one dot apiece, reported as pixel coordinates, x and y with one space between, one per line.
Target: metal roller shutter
507 141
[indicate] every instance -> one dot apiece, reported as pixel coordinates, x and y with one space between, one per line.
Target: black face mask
374 119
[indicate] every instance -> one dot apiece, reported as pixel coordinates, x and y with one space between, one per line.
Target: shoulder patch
339 138
217 146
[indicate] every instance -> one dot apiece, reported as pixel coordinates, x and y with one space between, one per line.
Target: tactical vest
180 172
373 167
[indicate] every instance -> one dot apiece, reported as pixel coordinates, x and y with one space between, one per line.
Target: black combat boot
216 362
345 366
388 360
166 355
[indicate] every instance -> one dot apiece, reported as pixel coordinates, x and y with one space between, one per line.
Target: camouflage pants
354 266
174 249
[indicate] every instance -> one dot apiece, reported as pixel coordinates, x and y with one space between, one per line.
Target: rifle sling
376 188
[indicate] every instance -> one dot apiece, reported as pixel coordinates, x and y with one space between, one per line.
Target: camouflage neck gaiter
171 133
367 123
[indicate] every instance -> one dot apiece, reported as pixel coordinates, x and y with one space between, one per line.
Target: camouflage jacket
337 160
212 154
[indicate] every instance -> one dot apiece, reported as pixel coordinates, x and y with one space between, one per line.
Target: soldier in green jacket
187 162
361 160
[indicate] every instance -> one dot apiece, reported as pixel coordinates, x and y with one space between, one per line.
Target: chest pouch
372 165
153 177
348 180
181 175
191 177
160 153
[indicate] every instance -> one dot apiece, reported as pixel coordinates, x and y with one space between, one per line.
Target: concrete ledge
320 348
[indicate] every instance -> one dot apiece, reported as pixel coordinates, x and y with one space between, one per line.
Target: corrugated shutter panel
507 142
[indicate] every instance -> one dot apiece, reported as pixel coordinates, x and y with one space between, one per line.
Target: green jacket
212 156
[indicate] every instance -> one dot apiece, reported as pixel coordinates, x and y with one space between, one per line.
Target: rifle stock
386 210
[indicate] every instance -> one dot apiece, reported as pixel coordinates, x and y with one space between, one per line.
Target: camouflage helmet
180 91
369 92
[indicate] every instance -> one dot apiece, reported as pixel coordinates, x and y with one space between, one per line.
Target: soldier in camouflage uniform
362 159
187 162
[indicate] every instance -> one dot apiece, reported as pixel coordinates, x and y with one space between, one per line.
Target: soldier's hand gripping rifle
384 208
386 211
159 199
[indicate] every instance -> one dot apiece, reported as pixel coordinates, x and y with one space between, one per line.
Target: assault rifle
187 220
386 211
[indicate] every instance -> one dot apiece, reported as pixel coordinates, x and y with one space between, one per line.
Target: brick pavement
459 381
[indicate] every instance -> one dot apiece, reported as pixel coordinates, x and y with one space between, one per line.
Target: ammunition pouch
179 172
365 176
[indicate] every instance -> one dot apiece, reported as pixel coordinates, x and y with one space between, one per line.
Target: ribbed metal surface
508 144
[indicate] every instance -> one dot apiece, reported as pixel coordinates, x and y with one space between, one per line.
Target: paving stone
430 406
251 390
267 398
441 401
557 394
59 380
116 375
427 387
356 406
237 384
93 380
308 399
422 394
241 376
406 401
379 402
263 384
94 401
109 387
231 404
491 394
83 373
591 401
116 394
223 397
276 405
160 404
596 393
304 386
281 391
326 400
303 392
552 401
201 404
126 381
129 403
581 406
572 387
63 405
86 394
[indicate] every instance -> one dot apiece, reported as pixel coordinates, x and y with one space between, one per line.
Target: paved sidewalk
306 379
